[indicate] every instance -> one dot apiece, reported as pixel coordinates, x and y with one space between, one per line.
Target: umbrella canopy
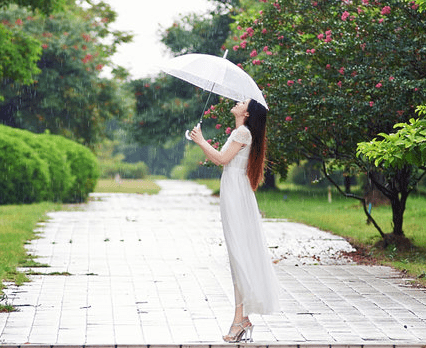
215 74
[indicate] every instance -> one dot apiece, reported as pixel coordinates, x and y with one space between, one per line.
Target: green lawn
345 217
17 224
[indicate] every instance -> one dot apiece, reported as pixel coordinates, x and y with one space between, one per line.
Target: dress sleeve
242 135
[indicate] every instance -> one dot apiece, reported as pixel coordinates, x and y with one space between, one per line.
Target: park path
145 270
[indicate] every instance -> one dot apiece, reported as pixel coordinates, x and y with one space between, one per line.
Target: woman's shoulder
242 134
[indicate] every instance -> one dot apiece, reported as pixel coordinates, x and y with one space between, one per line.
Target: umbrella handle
187 136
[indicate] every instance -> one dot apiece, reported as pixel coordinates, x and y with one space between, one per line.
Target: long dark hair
256 123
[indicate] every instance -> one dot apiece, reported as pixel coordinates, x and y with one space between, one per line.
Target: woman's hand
197 135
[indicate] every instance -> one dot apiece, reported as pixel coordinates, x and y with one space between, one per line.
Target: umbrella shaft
205 105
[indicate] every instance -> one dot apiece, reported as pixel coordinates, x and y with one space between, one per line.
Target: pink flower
19 21
216 145
243 44
99 67
253 54
236 47
365 2
209 141
244 36
386 10
261 12
299 81
206 112
320 36
345 15
342 70
391 78
290 83
315 3
380 20
264 31
379 85
256 62
239 27
228 130
288 118
339 83
265 49
218 126
269 53
250 31
328 66
44 46
371 103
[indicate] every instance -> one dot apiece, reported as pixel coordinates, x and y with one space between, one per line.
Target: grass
345 217
17 224
127 186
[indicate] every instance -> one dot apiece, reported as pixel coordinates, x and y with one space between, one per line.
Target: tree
68 97
19 52
167 106
401 157
335 73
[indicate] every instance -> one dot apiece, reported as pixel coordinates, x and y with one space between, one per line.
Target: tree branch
351 195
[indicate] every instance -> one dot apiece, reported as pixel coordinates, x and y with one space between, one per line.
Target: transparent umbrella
217 75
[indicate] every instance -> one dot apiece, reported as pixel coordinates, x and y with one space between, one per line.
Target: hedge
38 167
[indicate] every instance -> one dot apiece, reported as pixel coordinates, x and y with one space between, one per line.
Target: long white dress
257 287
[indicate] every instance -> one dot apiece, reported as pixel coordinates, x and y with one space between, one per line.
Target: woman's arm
217 157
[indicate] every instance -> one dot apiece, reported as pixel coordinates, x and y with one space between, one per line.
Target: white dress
251 264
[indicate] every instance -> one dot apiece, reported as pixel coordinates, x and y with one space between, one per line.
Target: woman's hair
256 123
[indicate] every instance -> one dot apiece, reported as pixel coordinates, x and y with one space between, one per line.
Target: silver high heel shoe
241 334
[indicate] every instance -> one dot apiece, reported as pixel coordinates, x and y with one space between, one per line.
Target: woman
255 285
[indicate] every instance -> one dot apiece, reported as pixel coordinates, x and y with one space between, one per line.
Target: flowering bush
343 71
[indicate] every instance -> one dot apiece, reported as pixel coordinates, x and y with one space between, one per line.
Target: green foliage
405 147
109 169
190 166
68 97
19 53
24 176
84 167
45 6
41 167
59 168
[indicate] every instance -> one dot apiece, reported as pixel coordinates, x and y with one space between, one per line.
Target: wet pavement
128 269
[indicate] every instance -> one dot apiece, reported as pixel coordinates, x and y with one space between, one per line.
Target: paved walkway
153 270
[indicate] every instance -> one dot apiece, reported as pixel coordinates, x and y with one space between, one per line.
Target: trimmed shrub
84 167
24 176
61 179
126 170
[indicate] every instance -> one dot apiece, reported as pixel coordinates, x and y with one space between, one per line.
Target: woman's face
240 109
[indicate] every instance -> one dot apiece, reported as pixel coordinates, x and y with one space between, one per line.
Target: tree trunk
347 180
372 193
397 216
269 181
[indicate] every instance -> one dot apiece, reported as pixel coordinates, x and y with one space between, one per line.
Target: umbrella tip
225 54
